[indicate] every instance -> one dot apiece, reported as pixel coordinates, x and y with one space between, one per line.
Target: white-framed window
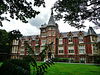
49 40
22 43
43 41
53 33
70 39
22 51
13 50
60 40
53 28
43 34
16 48
15 42
71 58
80 38
53 48
29 42
61 50
49 28
37 41
82 59
49 33
43 30
42 48
81 49
93 38
94 49
71 49
53 40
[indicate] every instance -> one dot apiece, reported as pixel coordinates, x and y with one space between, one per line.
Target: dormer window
30 42
43 30
37 40
80 38
43 34
22 42
60 40
49 28
70 38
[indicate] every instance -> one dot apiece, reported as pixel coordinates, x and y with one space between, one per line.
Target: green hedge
60 60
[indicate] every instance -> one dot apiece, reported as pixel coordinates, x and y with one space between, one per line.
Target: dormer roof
91 32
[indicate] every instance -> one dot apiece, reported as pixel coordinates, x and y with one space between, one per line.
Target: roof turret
51 21
91 32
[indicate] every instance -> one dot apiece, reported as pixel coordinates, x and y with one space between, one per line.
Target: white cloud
43 17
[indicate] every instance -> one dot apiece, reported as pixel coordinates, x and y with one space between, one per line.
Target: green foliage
22 67
76 61
82 61
97 61
73 69
15 67
75 12
72 61
19 9
60 60
6 39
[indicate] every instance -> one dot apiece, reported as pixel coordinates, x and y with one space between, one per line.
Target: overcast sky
32 27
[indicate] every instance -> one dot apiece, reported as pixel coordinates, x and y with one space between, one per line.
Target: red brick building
78 45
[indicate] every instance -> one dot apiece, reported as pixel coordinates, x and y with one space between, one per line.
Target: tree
75 12
4 45
6 39
14 35
22 66
19 9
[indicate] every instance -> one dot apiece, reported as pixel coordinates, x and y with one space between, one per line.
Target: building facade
77 45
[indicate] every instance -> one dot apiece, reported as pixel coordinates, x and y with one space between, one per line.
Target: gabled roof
75 33
32 36
91 32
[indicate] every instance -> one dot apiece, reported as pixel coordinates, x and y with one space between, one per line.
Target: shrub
76 61
97 60
82 61
60 60
72 60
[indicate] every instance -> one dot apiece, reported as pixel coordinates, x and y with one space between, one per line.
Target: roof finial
51 11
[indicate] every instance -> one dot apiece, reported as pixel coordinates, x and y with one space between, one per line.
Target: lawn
73 69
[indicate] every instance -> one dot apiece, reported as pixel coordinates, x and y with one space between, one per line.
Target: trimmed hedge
60 60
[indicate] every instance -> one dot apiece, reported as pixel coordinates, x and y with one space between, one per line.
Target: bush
97 60
76 61
72 60
82 61
60 60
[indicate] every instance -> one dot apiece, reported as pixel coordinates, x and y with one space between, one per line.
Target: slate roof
91 31
98 37
75 33
32 36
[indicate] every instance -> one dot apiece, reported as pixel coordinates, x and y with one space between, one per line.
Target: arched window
60 40
80 38
30 42
70 38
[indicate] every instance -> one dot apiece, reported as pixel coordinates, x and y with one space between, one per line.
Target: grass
73 69
70 69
